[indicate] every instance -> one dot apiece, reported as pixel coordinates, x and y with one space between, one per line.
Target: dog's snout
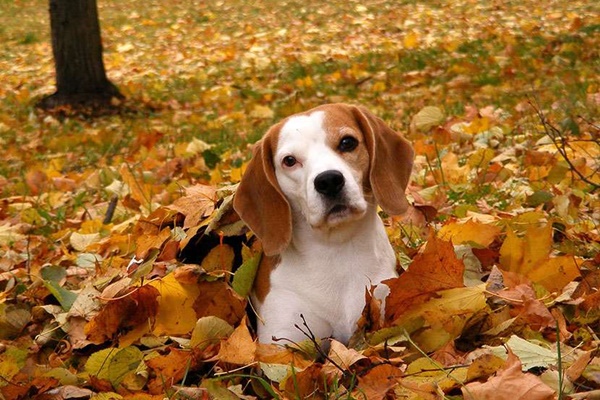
329 183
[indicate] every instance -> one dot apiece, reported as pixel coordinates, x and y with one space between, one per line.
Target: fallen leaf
343 356
219 299
137 306
209 330
469 231
239 348
427 118
509 384
435 268
175 312
170 368
378 382
529 355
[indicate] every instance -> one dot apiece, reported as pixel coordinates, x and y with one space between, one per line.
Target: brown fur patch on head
339 123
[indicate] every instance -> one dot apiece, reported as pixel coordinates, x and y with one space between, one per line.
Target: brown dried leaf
378 382
509 384
170 368
239 348
435 268
138 306
307 383
198 203
219 299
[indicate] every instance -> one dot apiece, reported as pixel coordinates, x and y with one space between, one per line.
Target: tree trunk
77 47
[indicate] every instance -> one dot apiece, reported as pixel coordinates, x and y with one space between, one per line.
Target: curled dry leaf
137 306
509 384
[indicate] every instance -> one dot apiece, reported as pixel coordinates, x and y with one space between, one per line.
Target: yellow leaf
139 190
444 317
215 177
235 175
10 234
511 252
261 112
125 47
411 40
530 256
555 273
379 87
197 146
537 246
91 226
175 316
478 125
420 375
469 231
481 158
344 356
452 172
80 242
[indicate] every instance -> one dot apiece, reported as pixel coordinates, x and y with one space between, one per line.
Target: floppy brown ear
260 203
391 161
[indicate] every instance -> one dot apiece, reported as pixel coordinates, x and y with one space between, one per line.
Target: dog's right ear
259 201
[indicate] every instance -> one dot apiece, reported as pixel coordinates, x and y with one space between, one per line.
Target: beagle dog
310 194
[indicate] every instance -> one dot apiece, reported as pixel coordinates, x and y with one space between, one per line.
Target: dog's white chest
326 284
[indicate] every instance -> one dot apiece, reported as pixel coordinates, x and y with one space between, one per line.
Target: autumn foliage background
124 270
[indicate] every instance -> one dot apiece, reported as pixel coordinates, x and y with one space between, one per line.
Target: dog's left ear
259 201
391 161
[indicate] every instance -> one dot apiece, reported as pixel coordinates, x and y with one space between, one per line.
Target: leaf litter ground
125 272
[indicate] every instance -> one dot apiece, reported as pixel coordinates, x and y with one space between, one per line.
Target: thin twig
311 336
555 134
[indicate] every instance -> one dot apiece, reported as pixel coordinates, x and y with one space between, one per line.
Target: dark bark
77 47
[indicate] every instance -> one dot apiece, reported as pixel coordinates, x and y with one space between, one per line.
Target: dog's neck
366 231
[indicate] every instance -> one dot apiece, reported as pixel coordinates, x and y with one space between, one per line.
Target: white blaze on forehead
301 130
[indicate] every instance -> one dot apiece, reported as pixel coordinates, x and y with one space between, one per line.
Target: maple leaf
175 314
530 256
469 231
435 268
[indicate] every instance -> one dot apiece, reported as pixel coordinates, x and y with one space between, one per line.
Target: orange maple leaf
435 268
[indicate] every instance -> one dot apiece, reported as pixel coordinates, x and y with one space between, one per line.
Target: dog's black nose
329 183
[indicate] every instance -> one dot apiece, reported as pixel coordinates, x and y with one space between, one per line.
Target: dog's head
326 165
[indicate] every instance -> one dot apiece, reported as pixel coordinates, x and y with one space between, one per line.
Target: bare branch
560 143
311 336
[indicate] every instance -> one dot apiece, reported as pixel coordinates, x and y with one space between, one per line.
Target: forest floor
120 255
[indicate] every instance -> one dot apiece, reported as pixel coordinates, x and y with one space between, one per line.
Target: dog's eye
289 161
348 143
